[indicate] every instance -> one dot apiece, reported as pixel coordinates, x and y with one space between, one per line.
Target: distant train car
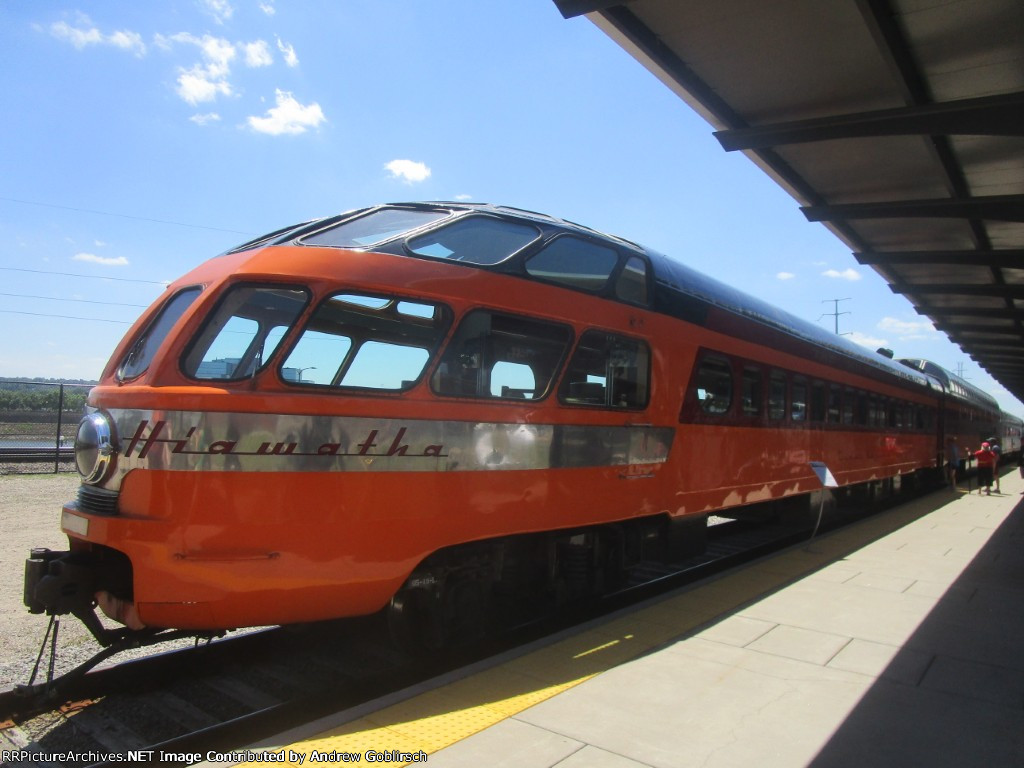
1010 430
969 416
451 411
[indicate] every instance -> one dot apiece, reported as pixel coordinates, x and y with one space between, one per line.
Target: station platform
896 641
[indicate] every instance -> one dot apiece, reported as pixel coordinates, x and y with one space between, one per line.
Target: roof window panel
483 240
575 262
375 227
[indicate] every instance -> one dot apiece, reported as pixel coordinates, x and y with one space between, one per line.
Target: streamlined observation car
448 409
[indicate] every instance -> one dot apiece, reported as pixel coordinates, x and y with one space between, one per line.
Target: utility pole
836 313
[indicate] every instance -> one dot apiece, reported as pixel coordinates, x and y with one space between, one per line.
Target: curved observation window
501 356
266 239
243 332
575 262
368 342
374 227
474 240
632 283
137 361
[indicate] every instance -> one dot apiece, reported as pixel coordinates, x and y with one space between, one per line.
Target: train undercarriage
465 592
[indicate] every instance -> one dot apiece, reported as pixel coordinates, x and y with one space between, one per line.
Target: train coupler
61 583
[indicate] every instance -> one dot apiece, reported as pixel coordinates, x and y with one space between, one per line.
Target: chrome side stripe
253 442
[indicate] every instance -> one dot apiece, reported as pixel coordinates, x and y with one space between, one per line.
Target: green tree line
42 399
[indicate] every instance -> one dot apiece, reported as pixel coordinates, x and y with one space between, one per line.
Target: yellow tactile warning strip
409 731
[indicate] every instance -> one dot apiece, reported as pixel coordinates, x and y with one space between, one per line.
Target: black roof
679 290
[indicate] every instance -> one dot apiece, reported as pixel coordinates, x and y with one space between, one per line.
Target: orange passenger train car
451 411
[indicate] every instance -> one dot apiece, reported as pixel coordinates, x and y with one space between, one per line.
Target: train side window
137 361
849 400
607 370
834 403
714 385
575 262
750 394
366 342
817 401
862 409
474 240
798 407
243 332
632 283
501 356
906 415
777 396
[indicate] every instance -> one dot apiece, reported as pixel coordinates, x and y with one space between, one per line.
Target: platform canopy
899 124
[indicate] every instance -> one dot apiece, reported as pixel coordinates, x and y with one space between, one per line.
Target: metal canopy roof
899 124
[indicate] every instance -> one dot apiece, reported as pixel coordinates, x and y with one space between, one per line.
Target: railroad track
20 455
234 692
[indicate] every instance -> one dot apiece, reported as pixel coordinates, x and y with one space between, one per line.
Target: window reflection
244 331
502 356
370 342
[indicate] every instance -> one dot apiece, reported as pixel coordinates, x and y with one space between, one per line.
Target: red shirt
985 458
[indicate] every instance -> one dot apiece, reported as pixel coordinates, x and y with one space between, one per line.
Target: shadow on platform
954 695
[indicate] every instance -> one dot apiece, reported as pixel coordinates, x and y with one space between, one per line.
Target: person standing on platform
986 465
994 443
952 462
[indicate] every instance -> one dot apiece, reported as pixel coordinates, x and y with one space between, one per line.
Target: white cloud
204 82
847 274
864 340
289 116
107 261
86 35
907 329
220 10
79 38
195 86
218 52
288 51
128 41
206 119
463 198
268 8
257 54
785 276
408 171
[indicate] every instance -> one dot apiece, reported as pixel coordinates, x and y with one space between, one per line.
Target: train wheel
413 622
428 621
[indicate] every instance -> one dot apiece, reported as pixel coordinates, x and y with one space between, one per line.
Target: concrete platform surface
898 641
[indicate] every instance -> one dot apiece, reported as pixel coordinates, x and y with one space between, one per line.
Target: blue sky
143 138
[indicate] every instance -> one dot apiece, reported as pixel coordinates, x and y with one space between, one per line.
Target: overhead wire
65 317
87 277
123 216
79 301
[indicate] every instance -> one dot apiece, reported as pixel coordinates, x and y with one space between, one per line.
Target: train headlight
95 450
